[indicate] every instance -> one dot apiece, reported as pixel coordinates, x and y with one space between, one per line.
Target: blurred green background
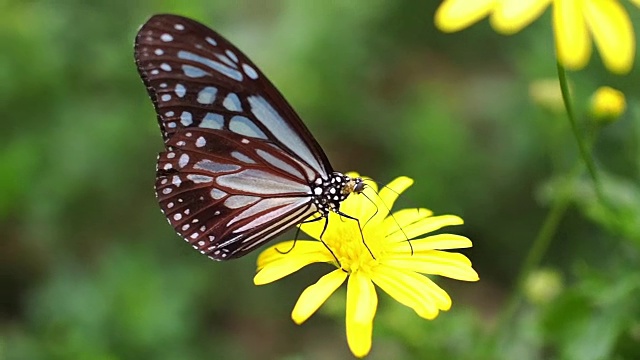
91 269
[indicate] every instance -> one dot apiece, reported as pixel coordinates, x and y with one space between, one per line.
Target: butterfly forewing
239 166
196 78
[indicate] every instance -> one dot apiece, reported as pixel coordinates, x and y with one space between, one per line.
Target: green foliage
91 270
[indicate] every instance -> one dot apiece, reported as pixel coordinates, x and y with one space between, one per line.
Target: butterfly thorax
329 193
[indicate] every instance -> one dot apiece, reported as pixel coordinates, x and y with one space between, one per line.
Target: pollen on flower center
354 255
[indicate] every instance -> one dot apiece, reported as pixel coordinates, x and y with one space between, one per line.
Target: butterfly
239 167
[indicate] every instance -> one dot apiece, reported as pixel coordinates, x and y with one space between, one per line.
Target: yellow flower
543 285
574 21
397 267
607 104
546 93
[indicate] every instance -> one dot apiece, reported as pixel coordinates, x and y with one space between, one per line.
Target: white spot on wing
178 27
215 167
231 55
243 126
212 121
166 37
232 103
165 67
158 52
184 160
200 142
227 61
219 67
186 118
193 71
165 97
207 95
250 71
199 179
217 194
180 90
242 157
211 41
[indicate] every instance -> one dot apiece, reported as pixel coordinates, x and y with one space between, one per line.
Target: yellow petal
455 15
362 302
389 194
404 217
287 248
289 264
613 34
510 16
424 226
572 39
413 290
435 262
433 242
315 295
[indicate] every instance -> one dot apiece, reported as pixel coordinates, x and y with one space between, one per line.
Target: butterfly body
239 167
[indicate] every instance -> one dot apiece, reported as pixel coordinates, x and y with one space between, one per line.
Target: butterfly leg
295 239
359 228
326 223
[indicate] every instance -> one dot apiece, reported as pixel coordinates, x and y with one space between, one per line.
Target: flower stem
584 152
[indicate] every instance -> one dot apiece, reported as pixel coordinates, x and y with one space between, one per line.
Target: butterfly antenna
383 186
391 214
374 214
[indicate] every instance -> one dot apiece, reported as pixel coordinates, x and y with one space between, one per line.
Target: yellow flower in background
607 104
395 269
547 94
574 23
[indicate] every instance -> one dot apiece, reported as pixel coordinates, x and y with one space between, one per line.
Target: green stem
584 152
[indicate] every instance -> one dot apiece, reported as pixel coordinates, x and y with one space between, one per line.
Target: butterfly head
356 185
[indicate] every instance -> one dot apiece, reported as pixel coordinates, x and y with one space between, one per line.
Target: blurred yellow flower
543 285
607 104
547 94
397 268
574 21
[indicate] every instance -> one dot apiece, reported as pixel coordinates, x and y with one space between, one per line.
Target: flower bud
607 104
542 286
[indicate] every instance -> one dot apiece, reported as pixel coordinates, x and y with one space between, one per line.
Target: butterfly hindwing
226 194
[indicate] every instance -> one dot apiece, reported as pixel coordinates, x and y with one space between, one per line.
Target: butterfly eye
359 187
239 167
